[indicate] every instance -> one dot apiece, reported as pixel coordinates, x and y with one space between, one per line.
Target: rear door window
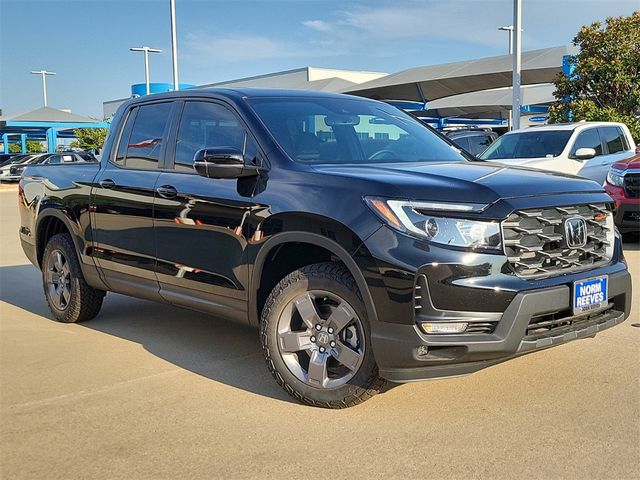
587 139
479 143
462 142
614 139
142 148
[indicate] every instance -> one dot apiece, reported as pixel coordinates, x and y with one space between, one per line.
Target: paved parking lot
150 391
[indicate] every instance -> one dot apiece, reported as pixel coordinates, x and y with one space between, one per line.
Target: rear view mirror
342 120
222 162
585 153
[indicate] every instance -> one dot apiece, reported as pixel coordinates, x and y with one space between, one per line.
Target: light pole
147 51
517 61
44 74
174 45
510 30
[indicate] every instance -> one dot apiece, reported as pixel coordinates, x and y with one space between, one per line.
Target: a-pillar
52 139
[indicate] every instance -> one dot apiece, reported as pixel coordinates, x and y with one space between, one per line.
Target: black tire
334 279
82 301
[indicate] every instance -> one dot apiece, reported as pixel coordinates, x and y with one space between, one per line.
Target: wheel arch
52 222
312 240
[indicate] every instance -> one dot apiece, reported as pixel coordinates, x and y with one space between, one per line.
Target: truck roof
246 92
574 125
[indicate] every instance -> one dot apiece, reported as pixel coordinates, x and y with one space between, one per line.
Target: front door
201 225
122 203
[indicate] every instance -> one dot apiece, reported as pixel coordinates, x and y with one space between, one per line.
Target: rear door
201 225
123 201
616 148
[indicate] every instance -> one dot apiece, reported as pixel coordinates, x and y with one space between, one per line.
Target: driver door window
587 139
208 125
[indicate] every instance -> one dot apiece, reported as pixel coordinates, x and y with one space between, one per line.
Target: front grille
632 185
535 244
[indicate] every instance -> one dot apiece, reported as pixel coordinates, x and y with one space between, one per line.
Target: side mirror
222 162
585 153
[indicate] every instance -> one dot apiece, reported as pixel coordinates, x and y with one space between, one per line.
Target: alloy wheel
321 339
58 280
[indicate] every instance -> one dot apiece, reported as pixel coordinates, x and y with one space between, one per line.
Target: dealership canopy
425 84
494 103
44 123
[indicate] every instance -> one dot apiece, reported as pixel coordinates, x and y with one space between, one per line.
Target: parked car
6 158
623 185
15 170
473 140
587 149
5 170
413 261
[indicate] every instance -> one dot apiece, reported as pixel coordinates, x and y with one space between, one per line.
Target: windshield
349 131
22 159
528 144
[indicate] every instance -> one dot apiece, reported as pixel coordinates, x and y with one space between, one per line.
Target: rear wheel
69 297
316 340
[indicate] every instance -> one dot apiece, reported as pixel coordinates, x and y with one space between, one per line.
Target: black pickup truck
362 244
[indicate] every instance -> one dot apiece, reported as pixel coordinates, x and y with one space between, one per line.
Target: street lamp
517 62
147 51
174 45
510 30
44 74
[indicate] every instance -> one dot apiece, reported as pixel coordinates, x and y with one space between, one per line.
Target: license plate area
591 294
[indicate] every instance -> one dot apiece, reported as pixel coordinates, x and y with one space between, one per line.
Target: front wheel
316 340
69 297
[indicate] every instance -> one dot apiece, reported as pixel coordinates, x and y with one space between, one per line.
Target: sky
86 42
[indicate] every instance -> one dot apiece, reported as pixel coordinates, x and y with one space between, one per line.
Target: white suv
586 149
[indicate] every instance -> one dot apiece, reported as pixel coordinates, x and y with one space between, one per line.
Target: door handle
167 191
107 183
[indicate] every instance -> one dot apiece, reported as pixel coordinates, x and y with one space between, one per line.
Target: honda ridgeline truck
362 244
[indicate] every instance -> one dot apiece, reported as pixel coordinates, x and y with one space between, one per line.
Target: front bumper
10 178
404 353
627 217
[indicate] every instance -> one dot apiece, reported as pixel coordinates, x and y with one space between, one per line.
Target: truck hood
476 182
633 162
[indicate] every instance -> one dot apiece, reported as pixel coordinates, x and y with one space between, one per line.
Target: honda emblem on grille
575 232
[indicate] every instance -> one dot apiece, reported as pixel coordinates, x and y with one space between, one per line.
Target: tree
89 138
605 82
33 146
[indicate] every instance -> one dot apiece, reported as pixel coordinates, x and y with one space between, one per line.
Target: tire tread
86 301
332 271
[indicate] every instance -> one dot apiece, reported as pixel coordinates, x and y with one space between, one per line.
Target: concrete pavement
150 391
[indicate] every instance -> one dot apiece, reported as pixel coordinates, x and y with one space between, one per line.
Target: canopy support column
52 140
23 142
5 143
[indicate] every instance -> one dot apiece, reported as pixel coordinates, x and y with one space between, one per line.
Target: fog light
457 327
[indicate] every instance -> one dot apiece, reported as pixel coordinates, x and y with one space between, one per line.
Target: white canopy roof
437 81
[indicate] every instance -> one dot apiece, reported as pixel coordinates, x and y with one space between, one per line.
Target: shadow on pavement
221 351
631 244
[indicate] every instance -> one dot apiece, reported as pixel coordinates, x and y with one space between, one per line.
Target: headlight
614 177
414 218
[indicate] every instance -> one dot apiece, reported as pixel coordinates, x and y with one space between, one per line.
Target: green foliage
89 138
605 84
32 147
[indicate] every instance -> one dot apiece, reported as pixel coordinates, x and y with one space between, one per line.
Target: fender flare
312 239
60 215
